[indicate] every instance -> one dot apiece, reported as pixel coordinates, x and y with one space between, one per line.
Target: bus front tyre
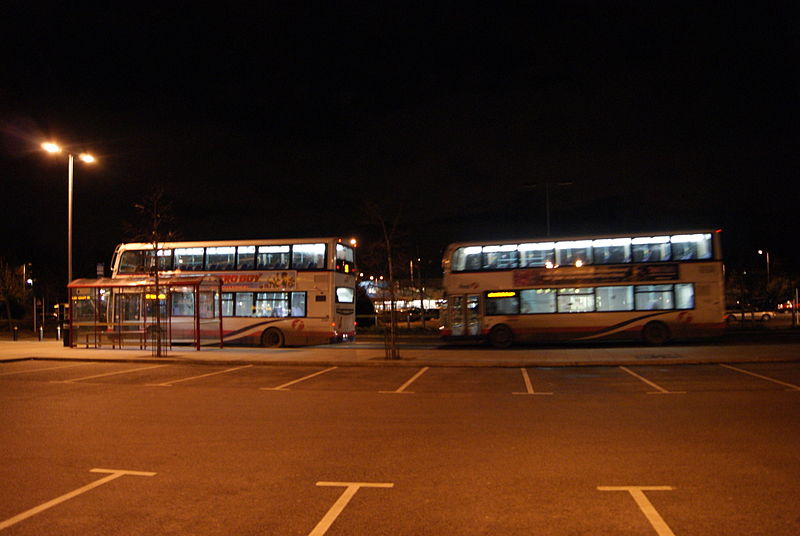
272 338
501 336
655 334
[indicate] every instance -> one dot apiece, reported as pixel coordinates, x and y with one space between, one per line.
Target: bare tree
12 288
154 227
389 234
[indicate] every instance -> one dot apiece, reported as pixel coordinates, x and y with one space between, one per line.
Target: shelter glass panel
183 304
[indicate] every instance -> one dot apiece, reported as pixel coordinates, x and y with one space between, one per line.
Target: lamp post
766 256
53 148
547 186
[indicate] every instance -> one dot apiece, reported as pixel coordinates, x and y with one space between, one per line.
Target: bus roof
218 243
540 239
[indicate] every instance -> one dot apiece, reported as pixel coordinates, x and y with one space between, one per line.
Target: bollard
58 333
15 333
41 333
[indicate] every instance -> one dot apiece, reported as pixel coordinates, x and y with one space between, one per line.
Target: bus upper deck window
189 259
690 247
273 257
570 252
650 249
308 256
246 258
221 258
502 257
345 259
131 262
611 250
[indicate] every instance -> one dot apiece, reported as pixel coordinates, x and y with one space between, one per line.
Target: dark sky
263 120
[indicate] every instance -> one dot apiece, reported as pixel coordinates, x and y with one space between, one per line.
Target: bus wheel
501 336
272 338
655 334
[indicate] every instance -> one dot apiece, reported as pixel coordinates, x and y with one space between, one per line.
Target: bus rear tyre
272 338
501 336
655 334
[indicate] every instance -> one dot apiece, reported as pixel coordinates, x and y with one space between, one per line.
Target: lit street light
51 147
766 256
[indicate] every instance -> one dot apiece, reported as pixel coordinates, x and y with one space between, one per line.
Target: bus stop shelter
133 311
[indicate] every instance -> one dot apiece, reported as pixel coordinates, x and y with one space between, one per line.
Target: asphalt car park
149 448
630 379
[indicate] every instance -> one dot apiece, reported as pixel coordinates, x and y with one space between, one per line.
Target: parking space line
791 386
351 489
169 384
660 390
528 385
114 474
647 508
285 385
402 389
41 369
106 374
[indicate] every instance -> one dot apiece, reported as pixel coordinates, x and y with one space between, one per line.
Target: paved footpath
366 354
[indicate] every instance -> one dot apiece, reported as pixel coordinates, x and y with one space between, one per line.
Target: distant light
578 263
51 147
353 242
86 157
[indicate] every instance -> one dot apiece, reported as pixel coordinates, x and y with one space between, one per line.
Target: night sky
263 120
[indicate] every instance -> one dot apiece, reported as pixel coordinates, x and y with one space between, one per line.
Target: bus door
465 315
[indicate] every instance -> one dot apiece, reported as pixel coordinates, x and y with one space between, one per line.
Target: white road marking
41 369
106 374
402 388
647 508
169 384
285 385
791 386
528 384
115 473
351 489
660 390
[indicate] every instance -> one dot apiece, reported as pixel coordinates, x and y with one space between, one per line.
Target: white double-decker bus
274 292
653 287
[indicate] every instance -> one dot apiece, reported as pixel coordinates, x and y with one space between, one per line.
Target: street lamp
766 256
547 186
53 148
